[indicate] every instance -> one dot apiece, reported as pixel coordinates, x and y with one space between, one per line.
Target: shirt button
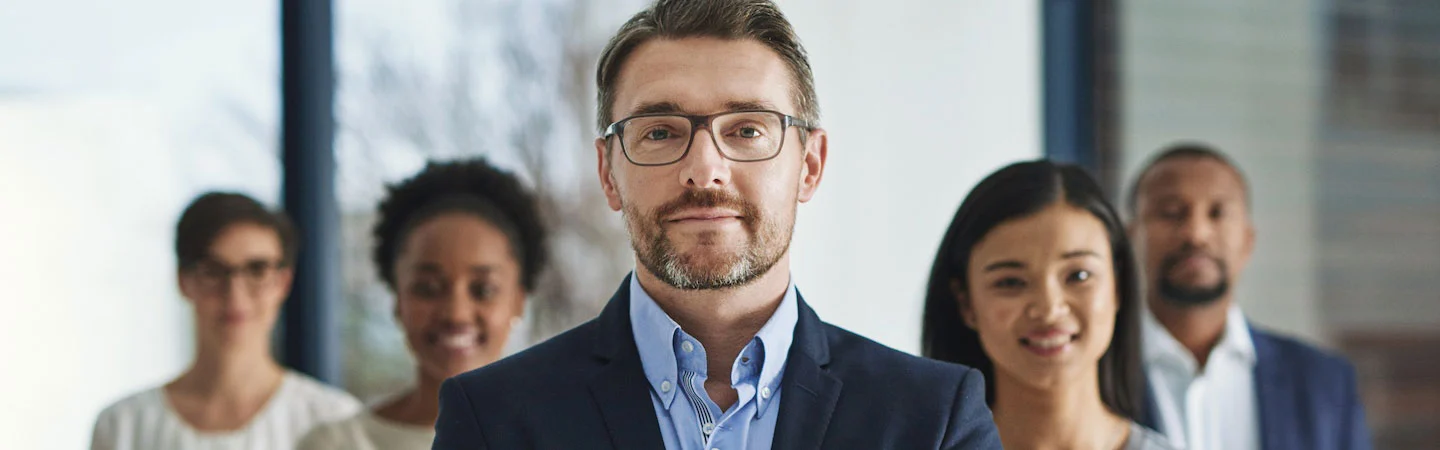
765 392
708 428
687 346
665 386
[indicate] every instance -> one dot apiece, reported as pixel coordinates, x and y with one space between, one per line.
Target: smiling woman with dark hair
461 245
1034 285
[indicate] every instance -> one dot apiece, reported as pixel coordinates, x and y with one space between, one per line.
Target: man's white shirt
1213 408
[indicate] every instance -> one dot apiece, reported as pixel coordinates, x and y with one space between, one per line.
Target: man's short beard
766 243
1191 296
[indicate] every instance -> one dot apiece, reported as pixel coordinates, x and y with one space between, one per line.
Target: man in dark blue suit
1215 380
709 141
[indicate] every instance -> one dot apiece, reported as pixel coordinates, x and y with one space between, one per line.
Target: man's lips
703 214
1193 262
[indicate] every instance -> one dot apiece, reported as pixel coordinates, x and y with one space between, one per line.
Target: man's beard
1191 295
766 242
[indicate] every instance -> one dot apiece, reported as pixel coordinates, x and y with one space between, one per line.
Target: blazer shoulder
1309 368
1300 354
894 387
851 350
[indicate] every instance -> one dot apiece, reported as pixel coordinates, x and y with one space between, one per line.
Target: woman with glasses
461 245
235 270
1034 285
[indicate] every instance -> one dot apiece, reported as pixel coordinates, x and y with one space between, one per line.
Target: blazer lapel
810 391
1272 394
620 389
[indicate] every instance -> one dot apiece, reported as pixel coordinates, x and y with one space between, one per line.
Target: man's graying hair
760 20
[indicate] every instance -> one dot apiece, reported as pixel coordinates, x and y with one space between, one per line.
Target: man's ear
817 149
607 176
186 285
1249 243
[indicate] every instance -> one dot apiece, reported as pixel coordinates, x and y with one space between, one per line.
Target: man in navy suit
1216 381
709 141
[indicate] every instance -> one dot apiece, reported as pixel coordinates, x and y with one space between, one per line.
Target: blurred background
113 116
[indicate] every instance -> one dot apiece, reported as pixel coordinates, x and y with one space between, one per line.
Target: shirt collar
775 339
656 336
1237 336
1159 347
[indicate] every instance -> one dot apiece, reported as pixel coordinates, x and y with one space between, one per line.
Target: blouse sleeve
103 436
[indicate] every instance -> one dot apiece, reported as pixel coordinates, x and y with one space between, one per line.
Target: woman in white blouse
235 270
460 244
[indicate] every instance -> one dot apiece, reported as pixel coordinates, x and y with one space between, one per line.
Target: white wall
111 119
89 192
1243 76
80 327
922 99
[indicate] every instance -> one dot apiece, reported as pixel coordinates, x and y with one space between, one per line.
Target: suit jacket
1307 398
586 389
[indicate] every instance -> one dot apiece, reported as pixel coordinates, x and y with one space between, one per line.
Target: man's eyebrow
741 105
657 108
667 107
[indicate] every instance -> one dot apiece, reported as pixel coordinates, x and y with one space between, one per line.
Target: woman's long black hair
1014 192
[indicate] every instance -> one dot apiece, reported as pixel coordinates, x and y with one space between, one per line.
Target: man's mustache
708 198
1174 259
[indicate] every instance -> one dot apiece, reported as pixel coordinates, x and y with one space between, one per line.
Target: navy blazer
586 389
1307 398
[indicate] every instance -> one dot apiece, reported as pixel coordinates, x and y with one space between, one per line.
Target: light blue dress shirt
675 366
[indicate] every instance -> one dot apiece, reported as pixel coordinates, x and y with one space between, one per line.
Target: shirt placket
1196 417
746 372
690 357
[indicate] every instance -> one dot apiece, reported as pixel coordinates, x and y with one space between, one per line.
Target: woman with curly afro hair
460 244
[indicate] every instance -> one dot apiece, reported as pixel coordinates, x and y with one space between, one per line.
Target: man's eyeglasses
661 139
255 275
